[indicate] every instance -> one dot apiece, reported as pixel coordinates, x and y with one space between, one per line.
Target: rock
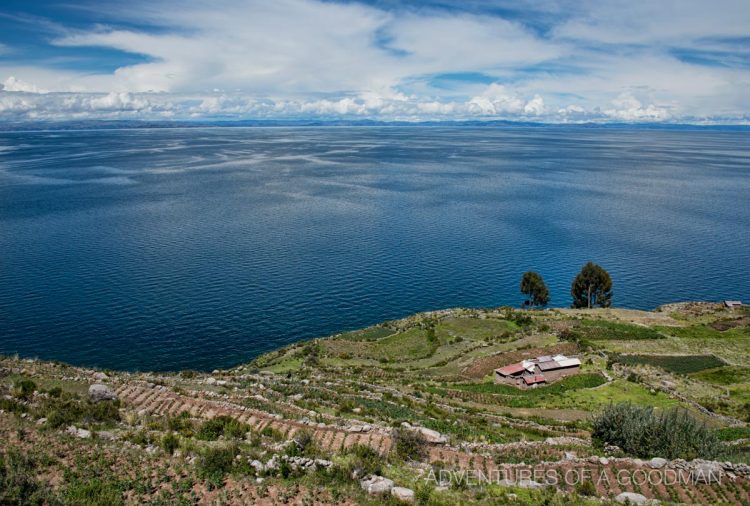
100 376
707 472
657 463
403 494
210 381
376 485
432 436
535 485
104 434
632 498
100 392
221 383
357 410
570 455
79 433
41 421
604 461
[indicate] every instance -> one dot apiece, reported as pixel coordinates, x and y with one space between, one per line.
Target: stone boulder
100 392
657 463
707 472
405 495
432 436
632 498
376 485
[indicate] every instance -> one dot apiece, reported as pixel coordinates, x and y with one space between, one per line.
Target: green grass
409 345
705 332
729 375
680 364
368 334
733 433
616 392
475 328
607 330
577 382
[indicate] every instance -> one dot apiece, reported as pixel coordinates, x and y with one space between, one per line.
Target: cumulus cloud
629 108
597 61
13 84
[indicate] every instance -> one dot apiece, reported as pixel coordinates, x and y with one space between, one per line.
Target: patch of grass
705 332
93 492
729 375
577 382
680 364
18 483
733 433
368 334
69 409
607 330
409 345
475 329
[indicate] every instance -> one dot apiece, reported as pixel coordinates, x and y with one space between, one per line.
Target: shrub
303 445
221 426
18 483
170 443
54 392
93 492
68 409
23 389
586 488
409 444
641 432
364 460
215 462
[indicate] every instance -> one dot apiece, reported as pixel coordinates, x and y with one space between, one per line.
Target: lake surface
201 248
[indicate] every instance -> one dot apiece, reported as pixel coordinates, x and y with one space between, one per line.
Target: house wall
557 374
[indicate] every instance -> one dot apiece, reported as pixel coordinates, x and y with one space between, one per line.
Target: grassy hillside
189 437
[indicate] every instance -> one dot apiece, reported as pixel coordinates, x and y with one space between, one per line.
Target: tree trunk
588 299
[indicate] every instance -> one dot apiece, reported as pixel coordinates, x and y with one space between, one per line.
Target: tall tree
532 285
592 287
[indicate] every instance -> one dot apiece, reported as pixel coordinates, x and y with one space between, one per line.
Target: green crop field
680 364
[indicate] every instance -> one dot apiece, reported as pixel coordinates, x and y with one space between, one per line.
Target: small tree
592 287
532 285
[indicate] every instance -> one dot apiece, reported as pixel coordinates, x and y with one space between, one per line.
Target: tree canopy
592 287
532 285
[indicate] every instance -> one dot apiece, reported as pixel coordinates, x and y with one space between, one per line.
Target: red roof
530 380
511 369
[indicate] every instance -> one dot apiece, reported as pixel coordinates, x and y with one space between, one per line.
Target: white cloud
312 58
629 108
13 84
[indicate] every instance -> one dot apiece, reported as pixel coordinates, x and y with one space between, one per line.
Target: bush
221 426
303 445
641 432
170 443
215 462
24 389
67 410
18 484
94 492
409 444
586 488
364 460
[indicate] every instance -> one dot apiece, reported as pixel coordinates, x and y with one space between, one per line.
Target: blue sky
548 60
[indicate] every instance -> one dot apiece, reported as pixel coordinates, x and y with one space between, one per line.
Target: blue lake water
201 248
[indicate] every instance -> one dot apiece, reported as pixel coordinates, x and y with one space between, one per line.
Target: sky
555 61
